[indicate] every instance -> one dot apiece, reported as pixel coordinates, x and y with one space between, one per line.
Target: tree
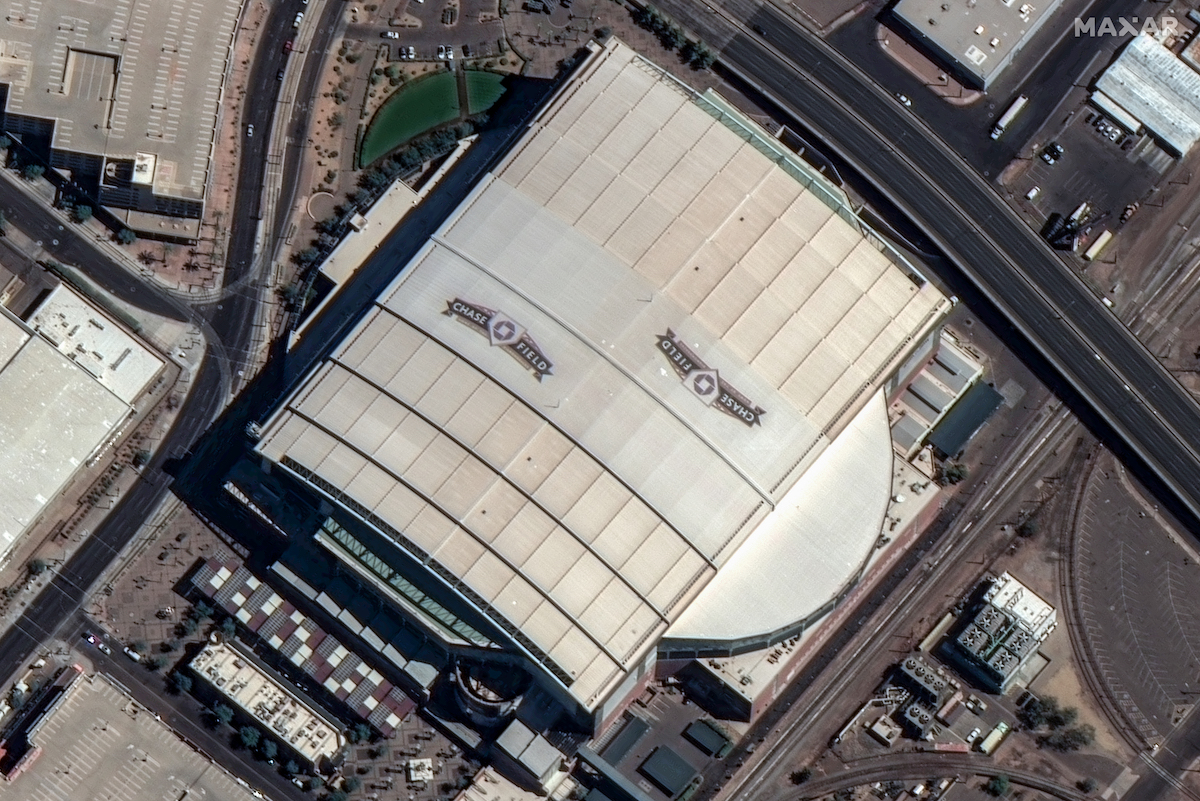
1087 785
1072 739
83 213
228 628
361 733
801 776
998 786
953 473
337 795
157 662
181 682
351 783
268 749
139 646
291 768
5 143
1029 527
249 736
141 457
31 172
223 713
37 567
126 236
306 257
202 611
3 224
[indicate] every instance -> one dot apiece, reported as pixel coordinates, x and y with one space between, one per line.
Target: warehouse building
975 41
68 382
633 387
1149 86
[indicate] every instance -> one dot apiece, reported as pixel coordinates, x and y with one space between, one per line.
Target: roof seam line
500 474
467 530
633 379
557 428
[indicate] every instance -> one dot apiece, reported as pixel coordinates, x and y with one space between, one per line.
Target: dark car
279 75
1052 153
287 46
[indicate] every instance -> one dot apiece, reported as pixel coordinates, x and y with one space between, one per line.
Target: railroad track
921 766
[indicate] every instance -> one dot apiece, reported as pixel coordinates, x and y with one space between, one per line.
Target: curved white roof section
809 549
608 367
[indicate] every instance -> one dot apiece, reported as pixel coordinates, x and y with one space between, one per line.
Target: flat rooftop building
628 397
976 39
64 395
126 93
1150 84
283 715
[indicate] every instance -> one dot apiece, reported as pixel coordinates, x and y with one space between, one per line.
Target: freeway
1082 341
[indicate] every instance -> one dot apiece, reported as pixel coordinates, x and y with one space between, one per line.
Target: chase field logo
706 383
1127 26
502 332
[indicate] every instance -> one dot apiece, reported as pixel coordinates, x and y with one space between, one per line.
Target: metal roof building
977 40
626 379
1152 85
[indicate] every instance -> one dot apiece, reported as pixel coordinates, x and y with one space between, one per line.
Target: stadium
628 404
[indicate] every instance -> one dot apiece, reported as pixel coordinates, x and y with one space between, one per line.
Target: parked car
1052 153
279 75
441 52
132 654
249 130
904 101
412 53
287 46
390 35
297 20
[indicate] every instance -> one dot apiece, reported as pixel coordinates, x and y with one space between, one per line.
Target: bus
1009 116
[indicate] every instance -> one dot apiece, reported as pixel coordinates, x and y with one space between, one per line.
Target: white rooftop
610 365
56 416
85 335
1013 597
280 713
1154 86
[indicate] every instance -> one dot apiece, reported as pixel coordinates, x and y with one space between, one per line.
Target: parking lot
1100 165
426 25
1134 588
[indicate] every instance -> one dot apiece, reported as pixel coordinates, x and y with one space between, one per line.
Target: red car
287 46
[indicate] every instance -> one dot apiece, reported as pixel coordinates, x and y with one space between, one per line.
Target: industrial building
999 634
294 722
633 387
975 41
1149 86
68 382
124 98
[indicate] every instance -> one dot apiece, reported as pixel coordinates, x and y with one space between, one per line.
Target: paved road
1122 383
228 327
921 766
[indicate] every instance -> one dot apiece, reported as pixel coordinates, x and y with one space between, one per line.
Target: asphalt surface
919 766
1051 308
228 326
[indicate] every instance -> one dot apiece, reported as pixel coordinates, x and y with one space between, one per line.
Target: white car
249 130
441 51
412 53
296 21
390 35
450 52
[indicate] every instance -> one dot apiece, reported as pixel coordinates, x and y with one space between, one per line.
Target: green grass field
483 90
416 108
